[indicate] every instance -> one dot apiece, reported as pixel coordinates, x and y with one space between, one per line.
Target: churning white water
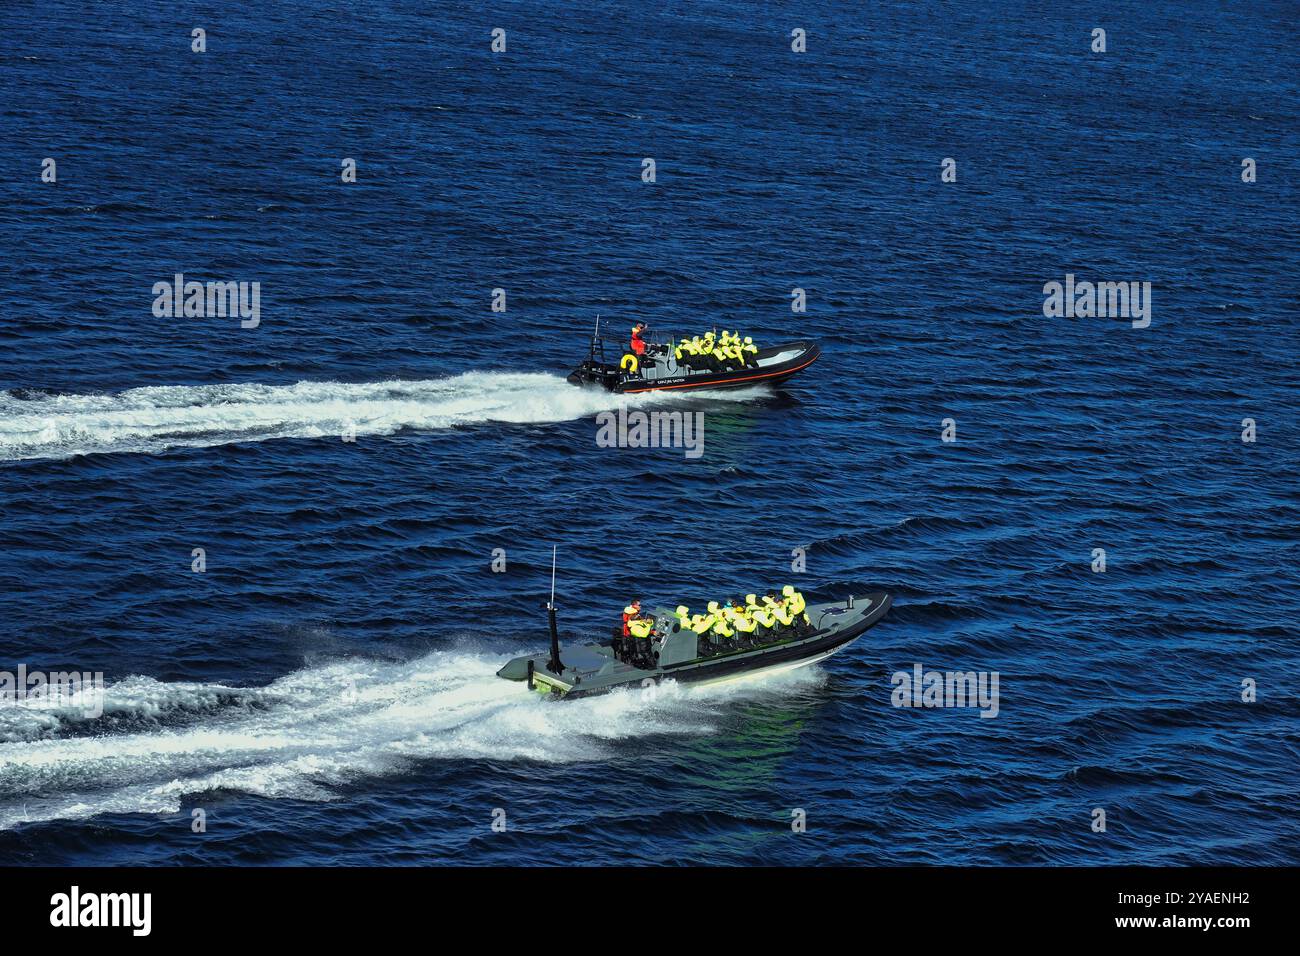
156 418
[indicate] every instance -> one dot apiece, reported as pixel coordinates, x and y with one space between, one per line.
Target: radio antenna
554 665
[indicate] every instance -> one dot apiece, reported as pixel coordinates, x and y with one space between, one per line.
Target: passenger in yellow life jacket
694 354
782 614
719 621
683 616
765 620
643 629
796 602
744 624
701 624
721 628
750 351
640 627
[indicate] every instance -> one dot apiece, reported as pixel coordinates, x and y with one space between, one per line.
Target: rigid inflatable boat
680 654
660 370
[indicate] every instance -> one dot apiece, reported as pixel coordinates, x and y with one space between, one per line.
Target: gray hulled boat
677 653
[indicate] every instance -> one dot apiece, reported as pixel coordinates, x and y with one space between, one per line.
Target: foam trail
157 418
310 732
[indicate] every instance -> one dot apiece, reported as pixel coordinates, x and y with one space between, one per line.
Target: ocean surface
323 690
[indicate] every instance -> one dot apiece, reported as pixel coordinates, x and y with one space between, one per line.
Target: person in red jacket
625 647
638 343
629 612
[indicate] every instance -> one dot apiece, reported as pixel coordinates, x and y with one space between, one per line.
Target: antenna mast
554 665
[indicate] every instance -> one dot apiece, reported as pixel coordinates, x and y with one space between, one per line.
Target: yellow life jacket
702 623
639 628
797 604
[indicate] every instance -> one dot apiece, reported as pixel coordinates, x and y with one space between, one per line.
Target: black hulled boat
660 369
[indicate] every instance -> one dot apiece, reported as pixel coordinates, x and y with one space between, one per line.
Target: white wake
312 731
157 418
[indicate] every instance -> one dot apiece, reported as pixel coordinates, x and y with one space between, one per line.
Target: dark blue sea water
324 690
